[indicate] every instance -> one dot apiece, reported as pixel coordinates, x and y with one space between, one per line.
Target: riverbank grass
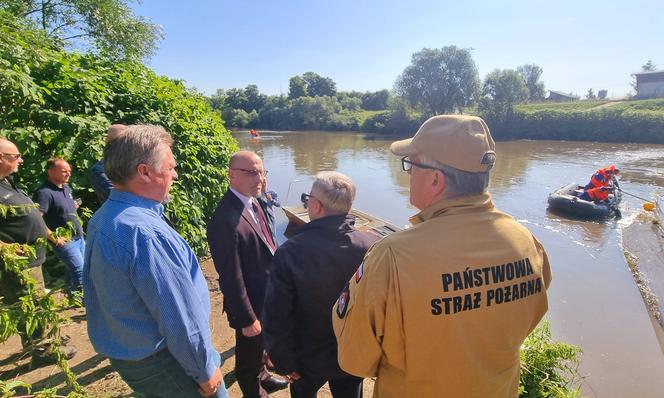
549 368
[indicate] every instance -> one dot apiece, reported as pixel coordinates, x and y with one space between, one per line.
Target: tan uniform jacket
441 309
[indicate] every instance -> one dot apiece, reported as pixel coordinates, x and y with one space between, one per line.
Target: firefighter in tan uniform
441 309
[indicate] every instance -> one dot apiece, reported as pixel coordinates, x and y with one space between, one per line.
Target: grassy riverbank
606 121
618 121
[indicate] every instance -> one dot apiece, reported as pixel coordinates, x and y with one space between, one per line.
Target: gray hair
460 182
335 191
138 144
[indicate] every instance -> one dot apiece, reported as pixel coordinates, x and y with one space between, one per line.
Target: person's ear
439 182
143 171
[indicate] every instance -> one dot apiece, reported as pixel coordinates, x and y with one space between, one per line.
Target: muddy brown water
594 301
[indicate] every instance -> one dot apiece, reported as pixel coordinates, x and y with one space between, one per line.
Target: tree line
437 81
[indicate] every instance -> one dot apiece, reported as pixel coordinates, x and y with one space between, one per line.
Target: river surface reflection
594 302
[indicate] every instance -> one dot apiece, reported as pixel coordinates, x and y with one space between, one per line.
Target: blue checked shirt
144 289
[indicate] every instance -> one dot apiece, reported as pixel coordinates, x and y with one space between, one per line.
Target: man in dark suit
242 247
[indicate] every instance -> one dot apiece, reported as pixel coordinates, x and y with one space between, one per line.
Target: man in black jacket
308 272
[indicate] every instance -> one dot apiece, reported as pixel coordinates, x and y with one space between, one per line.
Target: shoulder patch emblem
359 272
342 302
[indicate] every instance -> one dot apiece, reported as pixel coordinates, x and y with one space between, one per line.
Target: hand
210 387
59 242
293 377
252 330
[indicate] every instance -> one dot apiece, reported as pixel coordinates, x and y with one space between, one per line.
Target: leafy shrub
548 368
54 103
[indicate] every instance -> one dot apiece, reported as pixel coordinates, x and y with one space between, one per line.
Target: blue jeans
72 255
161 376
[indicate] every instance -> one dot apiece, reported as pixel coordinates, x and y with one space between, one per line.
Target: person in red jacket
601 184
602 177
597 194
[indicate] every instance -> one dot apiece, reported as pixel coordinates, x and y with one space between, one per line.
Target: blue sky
365 45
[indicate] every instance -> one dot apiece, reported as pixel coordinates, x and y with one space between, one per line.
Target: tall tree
502 89
319 86
440 80
216 100
590 95
648 66
107 27
376 101
297 87
531 74
235 99
255 100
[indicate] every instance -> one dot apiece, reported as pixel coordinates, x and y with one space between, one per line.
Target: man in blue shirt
148 306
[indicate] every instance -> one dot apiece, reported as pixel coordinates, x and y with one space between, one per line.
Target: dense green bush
548 368
54 103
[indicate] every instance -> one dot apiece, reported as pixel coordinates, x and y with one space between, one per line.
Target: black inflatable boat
566 199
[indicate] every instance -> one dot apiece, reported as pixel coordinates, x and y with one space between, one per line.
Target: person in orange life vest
602 177
597 194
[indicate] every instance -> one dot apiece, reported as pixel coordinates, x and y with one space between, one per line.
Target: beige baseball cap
460 141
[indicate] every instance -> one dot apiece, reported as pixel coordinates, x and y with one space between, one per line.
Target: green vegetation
656 105
55 103
531 74
106 27
35 310
548 368
559 106
440 81
502 89
629 121
341 111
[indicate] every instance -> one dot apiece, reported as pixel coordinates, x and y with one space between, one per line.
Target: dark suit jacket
308 272
242 259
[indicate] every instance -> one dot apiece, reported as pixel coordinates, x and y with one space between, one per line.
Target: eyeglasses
11 156
252 173
407 165
304 198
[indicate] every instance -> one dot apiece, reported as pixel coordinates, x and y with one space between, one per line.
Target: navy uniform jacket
308 273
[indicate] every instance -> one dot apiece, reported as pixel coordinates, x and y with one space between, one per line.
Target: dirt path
94 371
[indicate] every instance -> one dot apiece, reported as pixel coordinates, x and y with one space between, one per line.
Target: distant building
558 96
649 84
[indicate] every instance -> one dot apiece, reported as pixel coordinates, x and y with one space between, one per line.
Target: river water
594 301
